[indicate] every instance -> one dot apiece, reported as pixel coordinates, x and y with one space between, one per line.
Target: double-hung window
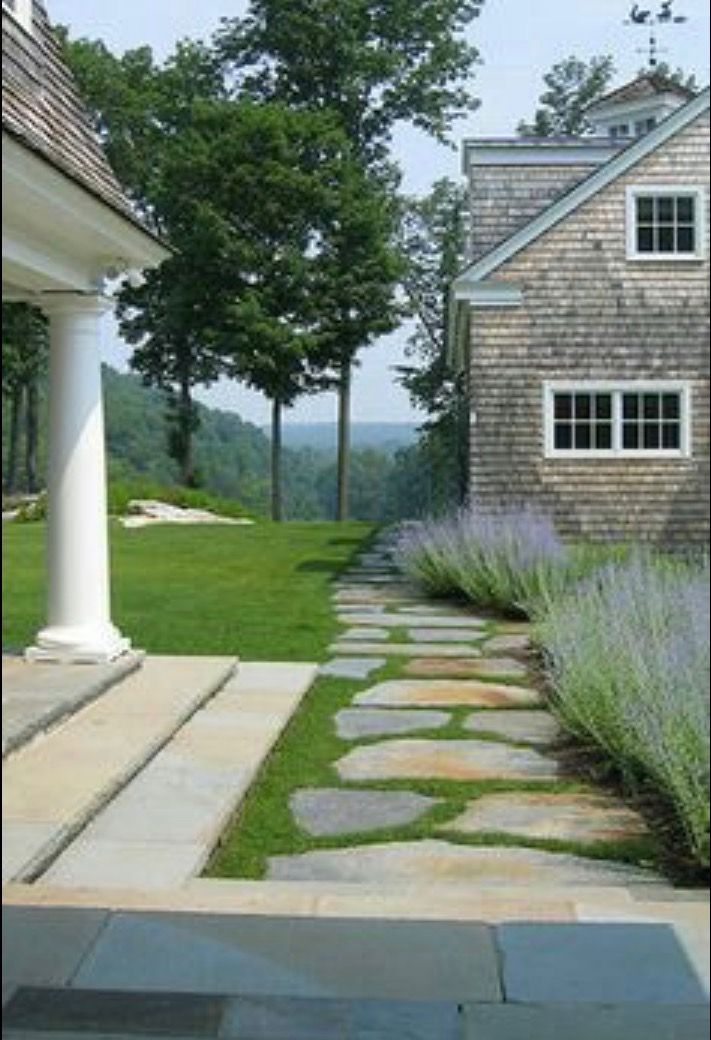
665 223
617 419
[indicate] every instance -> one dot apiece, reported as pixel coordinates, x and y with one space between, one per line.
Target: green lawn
261 592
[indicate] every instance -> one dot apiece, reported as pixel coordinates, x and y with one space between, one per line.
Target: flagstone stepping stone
441 693
442 623
582 818
326 811
352 667
506 644
440 861
356 723
374 634
445 760
351 612
534 727
433 609
405 649
496 668
368 578
442 635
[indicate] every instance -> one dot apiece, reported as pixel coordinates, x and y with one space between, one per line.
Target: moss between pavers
305 757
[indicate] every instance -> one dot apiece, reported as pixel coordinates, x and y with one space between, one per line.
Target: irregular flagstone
356 723
374 634
445 760
405 649
534 727
443 635
495 668
506 644
443 622
350 612
335 811
435 610
565 817
352 667
440 861
439 693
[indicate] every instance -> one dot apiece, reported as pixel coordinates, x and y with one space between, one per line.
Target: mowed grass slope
261 592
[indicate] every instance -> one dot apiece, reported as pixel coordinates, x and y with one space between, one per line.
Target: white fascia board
493 294
37 266
467 296
610 109
53 208
476 155
616 167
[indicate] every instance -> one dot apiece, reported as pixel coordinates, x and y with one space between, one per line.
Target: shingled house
67 229
583 320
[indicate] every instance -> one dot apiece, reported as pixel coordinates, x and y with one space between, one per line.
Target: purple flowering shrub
508 560
628 659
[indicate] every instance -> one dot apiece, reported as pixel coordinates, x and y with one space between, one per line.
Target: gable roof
584 190
650 84
42 110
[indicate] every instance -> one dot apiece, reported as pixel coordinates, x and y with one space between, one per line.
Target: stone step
38 695
53 787
160 830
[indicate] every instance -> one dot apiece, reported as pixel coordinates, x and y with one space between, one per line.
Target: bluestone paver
352 667
432 634
443 693
324 811
531 727
435 862
405 649
592 1022
596 964
358 723
44 946
420 759
294 957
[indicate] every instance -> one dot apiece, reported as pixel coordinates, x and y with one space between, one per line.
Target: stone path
446 697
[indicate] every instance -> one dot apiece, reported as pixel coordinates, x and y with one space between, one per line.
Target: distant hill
386 437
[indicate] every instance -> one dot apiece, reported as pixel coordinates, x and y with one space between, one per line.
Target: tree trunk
276 489
344 430
187 467
32 436
13 443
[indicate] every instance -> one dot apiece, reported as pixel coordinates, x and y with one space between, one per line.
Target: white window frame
661 191
21 12
617 388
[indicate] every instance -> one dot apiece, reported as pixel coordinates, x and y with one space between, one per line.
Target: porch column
79 624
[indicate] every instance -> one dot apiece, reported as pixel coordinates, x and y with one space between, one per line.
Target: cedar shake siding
589 313
505 198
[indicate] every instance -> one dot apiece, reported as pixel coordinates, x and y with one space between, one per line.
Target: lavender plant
628 660
508 560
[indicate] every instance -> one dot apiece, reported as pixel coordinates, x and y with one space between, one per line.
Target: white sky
519 41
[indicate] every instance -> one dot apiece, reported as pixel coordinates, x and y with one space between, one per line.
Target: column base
78 645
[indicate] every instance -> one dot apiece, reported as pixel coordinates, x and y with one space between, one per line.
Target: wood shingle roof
43 110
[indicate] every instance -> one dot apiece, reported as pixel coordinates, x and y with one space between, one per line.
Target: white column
79 624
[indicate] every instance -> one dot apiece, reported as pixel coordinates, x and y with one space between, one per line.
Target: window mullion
617 421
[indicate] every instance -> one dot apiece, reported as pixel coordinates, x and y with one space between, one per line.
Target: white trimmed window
626 419
21 11
665 223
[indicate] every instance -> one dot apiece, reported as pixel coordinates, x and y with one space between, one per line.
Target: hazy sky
519 40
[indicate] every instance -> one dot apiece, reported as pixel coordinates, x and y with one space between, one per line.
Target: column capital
52 303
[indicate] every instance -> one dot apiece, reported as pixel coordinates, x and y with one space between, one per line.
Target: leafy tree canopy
572 86
374 62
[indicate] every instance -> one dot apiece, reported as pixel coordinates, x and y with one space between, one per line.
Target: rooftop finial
650 20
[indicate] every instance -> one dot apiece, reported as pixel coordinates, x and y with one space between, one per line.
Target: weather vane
647 19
